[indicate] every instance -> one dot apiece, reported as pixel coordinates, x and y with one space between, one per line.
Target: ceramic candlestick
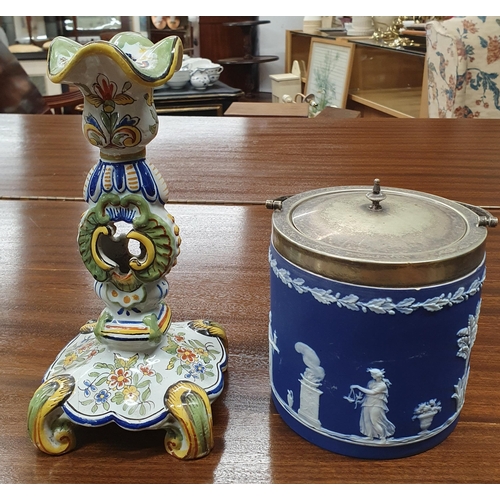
131 366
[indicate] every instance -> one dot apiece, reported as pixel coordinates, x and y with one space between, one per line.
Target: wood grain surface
241 160
222 274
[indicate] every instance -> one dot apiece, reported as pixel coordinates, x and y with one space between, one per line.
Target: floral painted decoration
125 382
117 80
191 357
112 130
463 56
129 388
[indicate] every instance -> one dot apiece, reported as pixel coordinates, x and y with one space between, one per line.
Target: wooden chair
70 102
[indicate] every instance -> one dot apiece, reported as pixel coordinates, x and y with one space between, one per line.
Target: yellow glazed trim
115 53
210 327
191 437
124 157
93 248
135 263
118 329
48 434
124 330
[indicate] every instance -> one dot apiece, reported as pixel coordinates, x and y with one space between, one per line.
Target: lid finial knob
376 196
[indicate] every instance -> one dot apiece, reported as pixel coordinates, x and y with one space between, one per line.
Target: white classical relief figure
373 422
310 381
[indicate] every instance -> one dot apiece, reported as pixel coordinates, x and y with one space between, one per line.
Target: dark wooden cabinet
219 41
183 30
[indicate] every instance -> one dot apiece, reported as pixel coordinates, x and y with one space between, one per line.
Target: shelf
401 103
384 80
246 24
248 60
417 50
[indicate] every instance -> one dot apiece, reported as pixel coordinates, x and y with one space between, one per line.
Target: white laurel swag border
378 305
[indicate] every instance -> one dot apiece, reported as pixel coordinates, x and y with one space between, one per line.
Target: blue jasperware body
370 372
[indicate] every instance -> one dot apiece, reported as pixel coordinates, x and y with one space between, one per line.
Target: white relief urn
425 413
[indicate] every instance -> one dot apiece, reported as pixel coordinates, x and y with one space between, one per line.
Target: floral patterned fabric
463 58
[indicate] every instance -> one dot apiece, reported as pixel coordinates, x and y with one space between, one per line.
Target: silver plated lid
380 237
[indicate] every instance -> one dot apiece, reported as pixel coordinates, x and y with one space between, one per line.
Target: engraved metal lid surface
380 237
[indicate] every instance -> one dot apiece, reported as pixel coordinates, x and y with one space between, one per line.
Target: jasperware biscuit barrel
375 301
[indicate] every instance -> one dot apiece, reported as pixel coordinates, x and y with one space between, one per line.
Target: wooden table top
222 274
237 159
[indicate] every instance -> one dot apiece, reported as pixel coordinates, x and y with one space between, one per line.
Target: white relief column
309 400
309 385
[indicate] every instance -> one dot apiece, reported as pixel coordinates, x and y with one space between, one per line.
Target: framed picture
329 71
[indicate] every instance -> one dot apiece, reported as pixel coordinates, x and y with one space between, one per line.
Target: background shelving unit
384 82
184 31
249 61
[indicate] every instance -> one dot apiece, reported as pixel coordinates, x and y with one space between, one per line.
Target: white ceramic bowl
179 79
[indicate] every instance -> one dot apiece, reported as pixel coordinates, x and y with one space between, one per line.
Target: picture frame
329 71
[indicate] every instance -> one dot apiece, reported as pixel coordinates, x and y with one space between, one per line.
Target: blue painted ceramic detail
123 177
382 385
